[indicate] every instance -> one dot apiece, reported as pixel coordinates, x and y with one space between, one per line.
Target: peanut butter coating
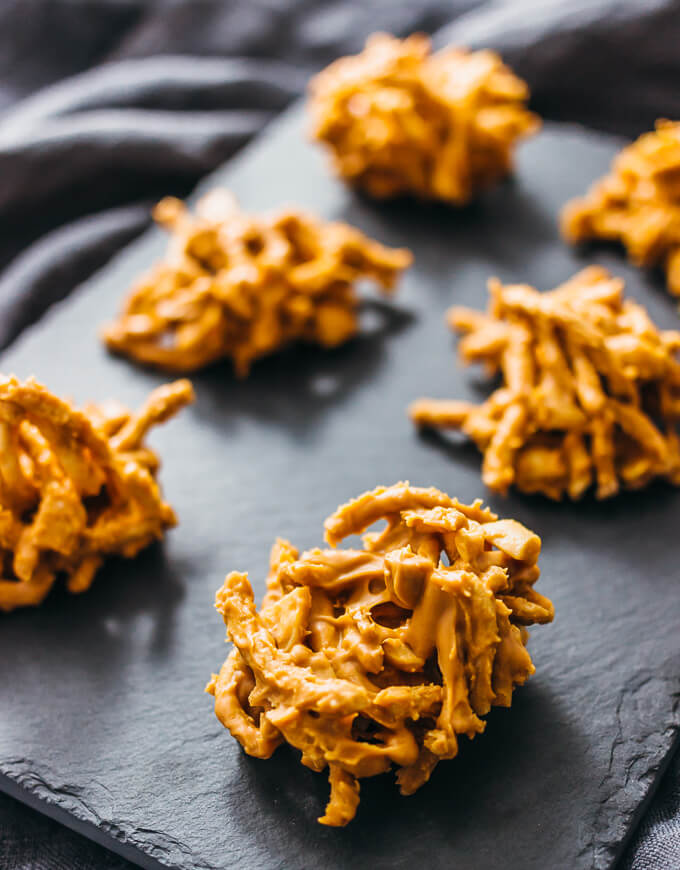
75 487
367 658
399 119
240 286
637 203
590 391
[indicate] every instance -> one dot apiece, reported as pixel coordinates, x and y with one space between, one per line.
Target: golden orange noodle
365 658
75 486
590 390
398 119
637 203
242 286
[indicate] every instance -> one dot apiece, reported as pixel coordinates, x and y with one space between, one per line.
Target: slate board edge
138 853
643 806
70 819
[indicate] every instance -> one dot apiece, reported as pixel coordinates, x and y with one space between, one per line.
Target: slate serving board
103 723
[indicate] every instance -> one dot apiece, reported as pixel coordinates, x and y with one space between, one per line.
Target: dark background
108 104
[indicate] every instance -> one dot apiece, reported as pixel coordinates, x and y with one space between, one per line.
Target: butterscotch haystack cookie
75 487
637 203
242 286
366 658
590 391
400 120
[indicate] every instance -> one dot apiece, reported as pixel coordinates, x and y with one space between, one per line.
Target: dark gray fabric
170 91
105 105
607 64
656 844
31 841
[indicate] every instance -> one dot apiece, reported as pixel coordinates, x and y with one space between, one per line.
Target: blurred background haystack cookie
637 203
399 119
243 286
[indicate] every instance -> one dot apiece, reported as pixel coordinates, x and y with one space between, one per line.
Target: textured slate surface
102 718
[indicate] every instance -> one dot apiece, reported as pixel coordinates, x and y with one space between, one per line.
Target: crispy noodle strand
590 392
240 286
399 119
364 659
637 203
75 487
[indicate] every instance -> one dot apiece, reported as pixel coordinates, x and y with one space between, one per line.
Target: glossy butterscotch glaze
637 203
241 286
75 486
366 658
399 119
590 391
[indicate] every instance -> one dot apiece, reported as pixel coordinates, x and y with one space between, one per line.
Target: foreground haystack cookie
242 286
590 392
637 203
366 658
75 487
400 120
